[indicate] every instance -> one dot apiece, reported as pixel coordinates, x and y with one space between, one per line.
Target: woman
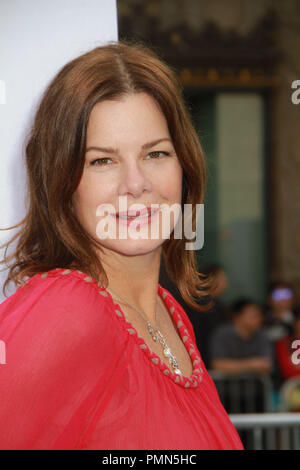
86 367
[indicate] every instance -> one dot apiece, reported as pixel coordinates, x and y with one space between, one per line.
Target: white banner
36 39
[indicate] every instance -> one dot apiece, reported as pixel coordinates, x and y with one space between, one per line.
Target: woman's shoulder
59 285
61 274
57 279
57 294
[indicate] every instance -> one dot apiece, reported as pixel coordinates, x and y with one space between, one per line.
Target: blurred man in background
238 350
242 346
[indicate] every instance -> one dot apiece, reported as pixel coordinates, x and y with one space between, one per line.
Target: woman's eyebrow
144 147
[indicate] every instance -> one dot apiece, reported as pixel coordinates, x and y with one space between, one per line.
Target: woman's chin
132 247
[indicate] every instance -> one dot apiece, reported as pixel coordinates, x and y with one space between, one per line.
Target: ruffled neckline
182 380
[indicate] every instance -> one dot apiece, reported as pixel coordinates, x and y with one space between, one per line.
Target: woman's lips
139 220
135 213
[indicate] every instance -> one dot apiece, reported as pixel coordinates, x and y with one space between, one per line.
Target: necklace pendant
156 335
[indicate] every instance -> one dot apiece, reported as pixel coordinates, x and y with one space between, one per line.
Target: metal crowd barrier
244 393
269 431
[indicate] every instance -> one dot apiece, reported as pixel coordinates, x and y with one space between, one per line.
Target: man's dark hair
239 305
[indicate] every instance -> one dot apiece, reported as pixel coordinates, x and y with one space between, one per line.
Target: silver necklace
155 334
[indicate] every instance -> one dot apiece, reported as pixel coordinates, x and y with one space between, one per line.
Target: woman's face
129 158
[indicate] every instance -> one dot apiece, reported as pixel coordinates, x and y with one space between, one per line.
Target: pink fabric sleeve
58 358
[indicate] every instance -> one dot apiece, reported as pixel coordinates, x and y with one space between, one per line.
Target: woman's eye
101 160
157 154
104 161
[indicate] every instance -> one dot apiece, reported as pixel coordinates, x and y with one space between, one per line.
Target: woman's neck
135 278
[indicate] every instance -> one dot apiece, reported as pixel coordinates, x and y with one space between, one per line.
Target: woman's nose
134 180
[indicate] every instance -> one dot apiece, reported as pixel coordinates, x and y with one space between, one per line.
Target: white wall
37 37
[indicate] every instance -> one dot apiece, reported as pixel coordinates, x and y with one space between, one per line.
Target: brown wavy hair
50 235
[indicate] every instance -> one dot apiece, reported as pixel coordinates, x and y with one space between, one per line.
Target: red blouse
78 376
